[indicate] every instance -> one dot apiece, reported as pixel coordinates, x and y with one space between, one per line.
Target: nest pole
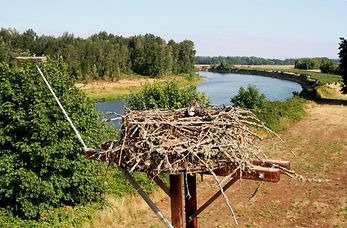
190 200
176 200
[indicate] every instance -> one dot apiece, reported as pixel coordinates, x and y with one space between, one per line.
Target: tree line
241 60
103 55
324 64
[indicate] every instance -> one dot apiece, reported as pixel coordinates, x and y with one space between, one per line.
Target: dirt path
320 142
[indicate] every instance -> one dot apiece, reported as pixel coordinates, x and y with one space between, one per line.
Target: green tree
165 95
42 164
249 98
328 68
343 63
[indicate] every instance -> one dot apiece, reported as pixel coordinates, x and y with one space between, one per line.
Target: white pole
62 108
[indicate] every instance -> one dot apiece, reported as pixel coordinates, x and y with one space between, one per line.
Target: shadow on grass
313 95
331 101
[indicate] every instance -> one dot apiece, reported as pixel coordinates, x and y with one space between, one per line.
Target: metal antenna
41 59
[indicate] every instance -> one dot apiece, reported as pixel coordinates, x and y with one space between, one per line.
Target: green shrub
249 98
312 63
270 112
165 95
42 164
328 68
273 112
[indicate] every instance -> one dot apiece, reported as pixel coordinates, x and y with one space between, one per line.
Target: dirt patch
109 84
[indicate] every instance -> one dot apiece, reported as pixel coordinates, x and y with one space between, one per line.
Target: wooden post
176 200
190 200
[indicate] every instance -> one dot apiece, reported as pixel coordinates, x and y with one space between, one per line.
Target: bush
271 113
312 63
328 68
274 112
165 95
249 98
42 164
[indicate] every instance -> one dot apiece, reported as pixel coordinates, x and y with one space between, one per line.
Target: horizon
266 29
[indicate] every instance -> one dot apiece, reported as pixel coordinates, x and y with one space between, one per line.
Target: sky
263 28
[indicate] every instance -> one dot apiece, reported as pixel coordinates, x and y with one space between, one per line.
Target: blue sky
264 28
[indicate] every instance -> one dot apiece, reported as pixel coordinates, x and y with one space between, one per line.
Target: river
220 87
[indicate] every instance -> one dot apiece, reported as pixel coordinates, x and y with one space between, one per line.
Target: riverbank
102 90
306 78
303 80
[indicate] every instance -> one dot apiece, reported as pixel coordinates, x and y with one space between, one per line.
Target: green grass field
323 79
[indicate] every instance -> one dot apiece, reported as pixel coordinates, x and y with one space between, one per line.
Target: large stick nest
188 140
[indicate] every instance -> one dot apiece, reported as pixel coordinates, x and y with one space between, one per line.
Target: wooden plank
270 162
263 174
176 200
161 184
190 200
259 173
31 58
213 198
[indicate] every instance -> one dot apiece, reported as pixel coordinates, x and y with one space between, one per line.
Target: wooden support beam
208 202
263 174
160 183
176 200
190 200
270 163
258 173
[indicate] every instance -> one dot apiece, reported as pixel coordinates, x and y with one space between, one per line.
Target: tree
249 98
328 67
42 164
343 63
165 95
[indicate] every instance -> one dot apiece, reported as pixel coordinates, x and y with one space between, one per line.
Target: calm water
220 87
111 106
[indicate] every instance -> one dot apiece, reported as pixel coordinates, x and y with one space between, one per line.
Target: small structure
214 141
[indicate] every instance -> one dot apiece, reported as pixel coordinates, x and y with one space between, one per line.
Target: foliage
103 55
270 112
237 60
165 95
328 68
42 164
343 63
312 63
273 113
60 217
321 78
249 98
118 186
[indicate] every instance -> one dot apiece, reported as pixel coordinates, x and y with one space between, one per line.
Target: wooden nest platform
186 141
219 141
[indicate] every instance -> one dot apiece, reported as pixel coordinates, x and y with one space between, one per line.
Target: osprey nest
192 140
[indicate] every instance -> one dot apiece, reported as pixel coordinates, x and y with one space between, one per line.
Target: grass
330 92
322 78
108 90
